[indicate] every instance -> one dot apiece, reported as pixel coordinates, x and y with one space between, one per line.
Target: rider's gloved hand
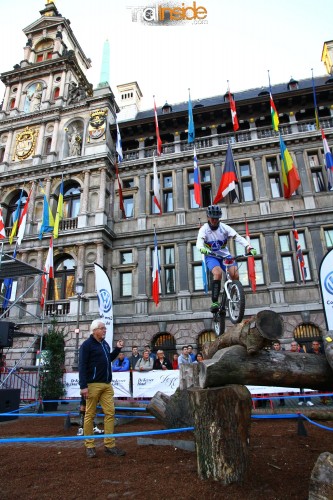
205 251
252 251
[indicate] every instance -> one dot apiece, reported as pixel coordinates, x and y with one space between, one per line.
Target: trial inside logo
170 13
104 300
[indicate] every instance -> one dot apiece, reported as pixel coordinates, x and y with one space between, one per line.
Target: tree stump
321 483
222 419
172 411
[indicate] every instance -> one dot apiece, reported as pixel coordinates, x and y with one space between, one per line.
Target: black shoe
117 452
214 307
91 452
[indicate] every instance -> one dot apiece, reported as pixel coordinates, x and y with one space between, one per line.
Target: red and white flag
233 112
158 139
156 188
251 269
156 273
48 273
23 221
2 226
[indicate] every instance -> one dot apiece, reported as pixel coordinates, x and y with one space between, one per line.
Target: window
287 258
126 257
12 208
71 202
303 253
199 274
166 257
2 154
47 145
329 238
204 337
56 93
243 264
274 176
165 181
126 284
128 183
292 258
206 187
316 172
246 181
63 284
129 206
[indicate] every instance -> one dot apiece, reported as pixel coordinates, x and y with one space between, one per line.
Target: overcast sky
240 42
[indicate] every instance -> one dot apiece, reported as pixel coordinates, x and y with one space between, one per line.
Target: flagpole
315 102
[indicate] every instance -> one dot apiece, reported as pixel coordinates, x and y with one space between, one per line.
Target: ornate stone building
54 125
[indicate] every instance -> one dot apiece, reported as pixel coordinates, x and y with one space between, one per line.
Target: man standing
145 364
95 375
190 352
184 357
121 364
135 357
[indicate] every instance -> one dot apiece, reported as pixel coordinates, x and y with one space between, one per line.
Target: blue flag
191 131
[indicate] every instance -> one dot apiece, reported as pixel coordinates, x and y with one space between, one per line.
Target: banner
326 287
104 295
147 384
120 383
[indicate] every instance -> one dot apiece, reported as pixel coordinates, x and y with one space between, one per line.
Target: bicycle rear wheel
219 322
236 304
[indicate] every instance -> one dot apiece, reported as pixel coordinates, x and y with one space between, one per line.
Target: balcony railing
57 308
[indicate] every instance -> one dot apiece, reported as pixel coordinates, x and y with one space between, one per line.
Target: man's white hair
97 323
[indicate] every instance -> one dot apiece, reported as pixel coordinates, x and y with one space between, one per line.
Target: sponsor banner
261 389
105 305
147 384
120 384
326 286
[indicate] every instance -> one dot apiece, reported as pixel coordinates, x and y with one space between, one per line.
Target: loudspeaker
6 333
9 401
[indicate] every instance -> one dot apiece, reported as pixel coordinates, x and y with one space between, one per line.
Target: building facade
54 126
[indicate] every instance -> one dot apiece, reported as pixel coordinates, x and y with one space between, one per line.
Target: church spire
105 68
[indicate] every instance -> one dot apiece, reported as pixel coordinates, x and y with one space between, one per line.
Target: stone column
179 190
271 251
39 265
184 296
305 186
40 141
31 208
55 136
100 254
253 130
85 193
6 98
18 96
141 148
141 302
80 262
49 88
102 189
177 142
48 187
8 147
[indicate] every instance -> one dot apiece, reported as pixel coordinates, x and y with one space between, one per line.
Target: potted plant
51 385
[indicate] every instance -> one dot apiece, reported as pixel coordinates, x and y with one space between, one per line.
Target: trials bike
232 298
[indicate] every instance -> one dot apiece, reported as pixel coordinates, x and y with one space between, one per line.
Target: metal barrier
26 381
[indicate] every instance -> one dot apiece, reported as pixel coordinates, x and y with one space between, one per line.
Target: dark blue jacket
95 362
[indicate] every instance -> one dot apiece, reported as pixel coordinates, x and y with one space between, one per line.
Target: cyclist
214 236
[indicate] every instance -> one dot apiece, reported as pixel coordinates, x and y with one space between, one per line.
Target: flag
204 273
299 252
48 273
156 188
250 262
16 217
228 179
197 185
105 300
191 130
274 114
233 112
23 221
2 226
328 161
158 139
48 219
120 190
8 285
119 147
315 104
60 210
156 273
290 176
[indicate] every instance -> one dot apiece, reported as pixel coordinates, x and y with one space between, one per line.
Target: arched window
63 285
12 103
305 333
166 343
16 201
47 146
56 93
71 201
2 154
204 337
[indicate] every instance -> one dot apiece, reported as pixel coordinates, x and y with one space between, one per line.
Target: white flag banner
326 286
120 383
105 305
147 384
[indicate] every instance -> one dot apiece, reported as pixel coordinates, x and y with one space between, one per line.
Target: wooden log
222 419
172 411
321 483
328 347
254 334
270 368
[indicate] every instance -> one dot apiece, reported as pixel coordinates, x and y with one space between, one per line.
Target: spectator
152 355
277 347
317 349
190 352
121 364
199 357
184 358
135 357
175 361
145 364
161 362
295 347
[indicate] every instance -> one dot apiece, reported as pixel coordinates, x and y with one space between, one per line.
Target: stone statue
74 142
75 93
35 98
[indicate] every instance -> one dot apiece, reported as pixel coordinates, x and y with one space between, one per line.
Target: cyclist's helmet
214 211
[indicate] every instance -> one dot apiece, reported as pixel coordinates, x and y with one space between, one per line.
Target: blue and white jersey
218 239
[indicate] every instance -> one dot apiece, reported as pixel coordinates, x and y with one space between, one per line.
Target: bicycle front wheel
236 304
219 322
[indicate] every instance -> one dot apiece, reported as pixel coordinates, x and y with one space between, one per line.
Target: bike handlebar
233 258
